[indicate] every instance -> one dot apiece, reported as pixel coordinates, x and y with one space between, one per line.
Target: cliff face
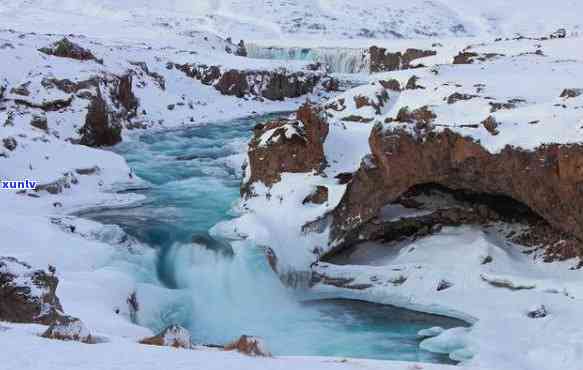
548 179
272 85
383 61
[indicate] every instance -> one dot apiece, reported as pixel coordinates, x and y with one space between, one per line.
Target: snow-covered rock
172 336
250 346
27 295
69 329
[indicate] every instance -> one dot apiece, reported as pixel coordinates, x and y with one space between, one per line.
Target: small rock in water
537 312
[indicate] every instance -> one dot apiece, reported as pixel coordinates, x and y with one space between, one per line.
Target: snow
125 354
99 267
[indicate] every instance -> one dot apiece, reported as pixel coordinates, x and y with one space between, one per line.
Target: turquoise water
195 175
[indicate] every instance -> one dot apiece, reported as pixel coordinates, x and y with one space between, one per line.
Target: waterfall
337 60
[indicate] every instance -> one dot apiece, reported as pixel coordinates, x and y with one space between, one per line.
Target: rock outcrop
106 112
469 57
287 145
549 180
273 85
250 346
173 336
383 61
70 329
27 295
64 48
101 126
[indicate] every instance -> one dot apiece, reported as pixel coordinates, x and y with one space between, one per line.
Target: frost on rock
173 336
27 295
69 328
251 346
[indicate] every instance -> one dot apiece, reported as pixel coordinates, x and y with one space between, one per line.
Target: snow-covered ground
36 228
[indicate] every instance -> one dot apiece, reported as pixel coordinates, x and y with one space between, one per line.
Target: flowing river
195 175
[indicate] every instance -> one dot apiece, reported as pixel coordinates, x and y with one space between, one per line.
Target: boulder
173 336
27 295
40 122
250 346
318 196
9 143
70 329
537 312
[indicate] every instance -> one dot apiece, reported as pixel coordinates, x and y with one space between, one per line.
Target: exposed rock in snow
250 346
318 196
287 146
381 61
69 328
27 295
173 336
272 85
537 312
67 49
101 128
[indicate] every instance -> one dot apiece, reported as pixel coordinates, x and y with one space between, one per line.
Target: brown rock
547 179
287 146
102 128
466 57
391 84
250 346
422 117
318 196
27 295
381 61
173 336
124 94
67 49
272 85
491 125
69 329
412 83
